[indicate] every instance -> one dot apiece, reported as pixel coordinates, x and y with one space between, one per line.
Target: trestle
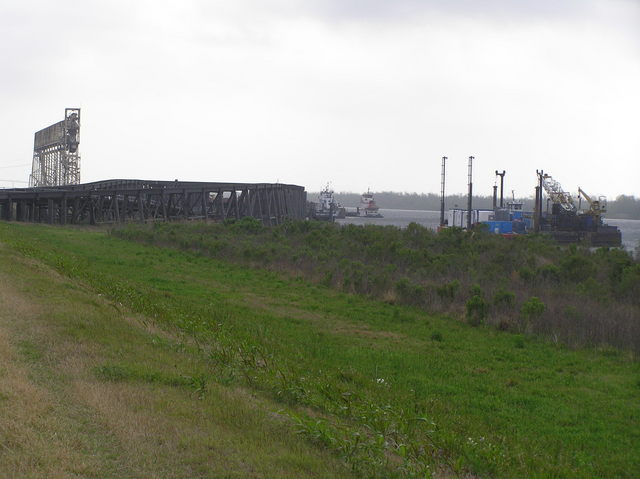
116 201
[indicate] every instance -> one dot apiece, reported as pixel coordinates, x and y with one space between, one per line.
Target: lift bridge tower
56 159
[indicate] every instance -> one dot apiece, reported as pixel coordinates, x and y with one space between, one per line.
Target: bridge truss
118 201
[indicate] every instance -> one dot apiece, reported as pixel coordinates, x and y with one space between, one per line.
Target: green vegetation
90 389
440 272
390 390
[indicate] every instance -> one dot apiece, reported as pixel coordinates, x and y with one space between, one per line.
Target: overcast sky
359 93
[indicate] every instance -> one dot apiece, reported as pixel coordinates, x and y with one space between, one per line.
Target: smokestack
501 175
495 197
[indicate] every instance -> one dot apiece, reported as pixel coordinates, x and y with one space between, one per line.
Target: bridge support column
50 211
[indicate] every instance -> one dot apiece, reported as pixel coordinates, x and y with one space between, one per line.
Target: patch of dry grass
37 434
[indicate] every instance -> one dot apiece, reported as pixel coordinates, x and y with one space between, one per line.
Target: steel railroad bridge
118 201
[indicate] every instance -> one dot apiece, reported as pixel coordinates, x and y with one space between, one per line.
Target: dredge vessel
562 220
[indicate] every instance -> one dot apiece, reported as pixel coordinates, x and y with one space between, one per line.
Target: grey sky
358 93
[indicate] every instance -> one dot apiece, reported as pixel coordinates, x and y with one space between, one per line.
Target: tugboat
368 206
326 209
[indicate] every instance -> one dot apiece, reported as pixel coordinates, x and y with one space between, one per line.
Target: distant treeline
622 207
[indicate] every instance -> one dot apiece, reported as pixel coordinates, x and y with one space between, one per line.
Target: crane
554 190
596 207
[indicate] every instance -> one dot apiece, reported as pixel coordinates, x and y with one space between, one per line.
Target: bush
576 268
571 313
476 290
504 299
526 274
532 308
629 286
476 310
248 224
411 293
550 272
593 289
448 290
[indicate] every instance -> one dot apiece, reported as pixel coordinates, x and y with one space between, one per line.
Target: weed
436 336
30 351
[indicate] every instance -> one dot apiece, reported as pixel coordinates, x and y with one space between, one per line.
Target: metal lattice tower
56 159
557 195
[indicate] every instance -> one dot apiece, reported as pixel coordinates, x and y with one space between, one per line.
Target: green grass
390 390
585 297
90 389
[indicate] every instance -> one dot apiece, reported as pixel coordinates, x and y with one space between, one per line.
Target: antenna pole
537 212
469 200
444 161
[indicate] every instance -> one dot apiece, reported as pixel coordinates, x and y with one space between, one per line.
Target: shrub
593 289
476 290
630 283
248 224
576 268
504 299
448 290
411 293
532 308
550 272
571 313
476 310
526 274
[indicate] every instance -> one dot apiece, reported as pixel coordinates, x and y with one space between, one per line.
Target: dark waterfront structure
56 159
117 201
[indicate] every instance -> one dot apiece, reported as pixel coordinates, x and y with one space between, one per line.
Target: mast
469 200
444 161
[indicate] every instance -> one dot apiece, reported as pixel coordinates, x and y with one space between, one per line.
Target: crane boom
596 207
554 190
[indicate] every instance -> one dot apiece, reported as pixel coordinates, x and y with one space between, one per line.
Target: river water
630 228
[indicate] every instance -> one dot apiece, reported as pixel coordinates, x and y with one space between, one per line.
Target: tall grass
588 298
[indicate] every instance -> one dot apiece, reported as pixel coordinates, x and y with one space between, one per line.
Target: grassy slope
588 298
383 386
64 414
